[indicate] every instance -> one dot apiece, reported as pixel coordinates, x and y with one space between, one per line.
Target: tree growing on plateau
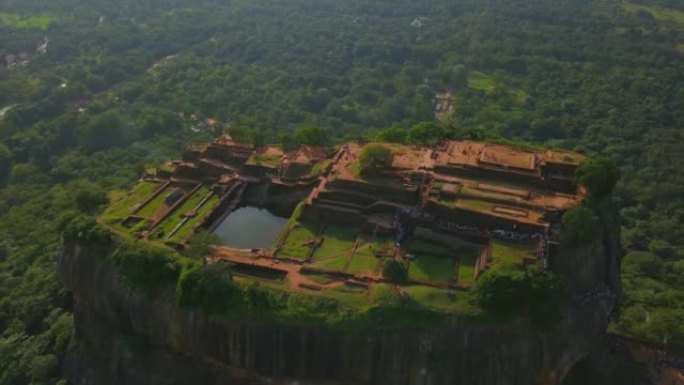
511 292
210 288
598 176
426 134
394 272
201 244
374 158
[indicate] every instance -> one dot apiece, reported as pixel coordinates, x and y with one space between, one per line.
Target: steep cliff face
126 338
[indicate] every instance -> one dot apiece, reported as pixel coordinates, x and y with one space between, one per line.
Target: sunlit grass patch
481 82
336 263
362 264
338 240
512 252
295 244
153 206
427 268
203 211
123 204
436 298
13 20
466 268
188 206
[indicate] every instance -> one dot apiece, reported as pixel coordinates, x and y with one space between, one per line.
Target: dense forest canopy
92 91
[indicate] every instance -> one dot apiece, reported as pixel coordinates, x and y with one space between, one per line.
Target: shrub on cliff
393 271
201 244
209 288
85 230
598 175
383 295
307 308
145 268
510 292
578 226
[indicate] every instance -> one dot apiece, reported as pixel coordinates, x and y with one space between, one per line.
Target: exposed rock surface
126 338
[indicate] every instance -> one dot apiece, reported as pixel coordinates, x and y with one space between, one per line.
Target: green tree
90 197
393 271
510 291
578 226
145 268
209 288
257 138
201 244
85 230
312 136
425 134
502 292
598 175
375 157
288 141
393 135
103 131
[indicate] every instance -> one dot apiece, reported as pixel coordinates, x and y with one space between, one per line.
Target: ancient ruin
310 220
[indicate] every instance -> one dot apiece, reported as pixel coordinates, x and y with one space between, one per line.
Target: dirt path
298 280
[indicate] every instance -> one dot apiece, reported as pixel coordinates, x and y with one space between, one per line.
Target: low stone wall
470 172
317 213
479 220
405 196
347 196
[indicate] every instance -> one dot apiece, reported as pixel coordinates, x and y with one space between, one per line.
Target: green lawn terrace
165 211
345 263
355 253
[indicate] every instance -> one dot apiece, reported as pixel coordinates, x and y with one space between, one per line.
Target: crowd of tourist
416 213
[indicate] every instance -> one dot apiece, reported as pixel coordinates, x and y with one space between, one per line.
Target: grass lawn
123 204
264 160
425 249
320 278
362 264
338 240
41 21
481 82
203 211
283 285
334 263
319 167
294 246
351 295
512 252
466 268
438 299
475 205
370 248
175 218
153 206
431 269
